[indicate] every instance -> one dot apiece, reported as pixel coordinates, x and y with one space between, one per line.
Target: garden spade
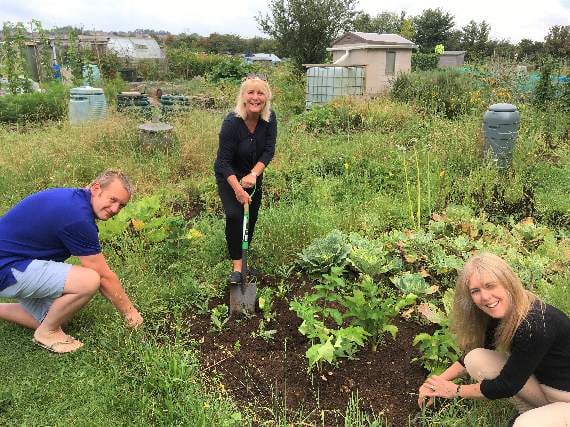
242 296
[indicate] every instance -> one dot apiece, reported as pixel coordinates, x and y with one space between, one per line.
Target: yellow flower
441 173
137 224
194 234
206 405
222 387
346 166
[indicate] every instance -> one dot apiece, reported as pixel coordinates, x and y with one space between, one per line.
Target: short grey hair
110 175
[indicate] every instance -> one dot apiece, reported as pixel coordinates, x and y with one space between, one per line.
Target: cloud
508 19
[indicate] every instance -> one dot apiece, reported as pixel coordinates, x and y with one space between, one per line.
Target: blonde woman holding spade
516 346
246 146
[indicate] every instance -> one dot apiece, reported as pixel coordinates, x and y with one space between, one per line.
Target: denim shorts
38 286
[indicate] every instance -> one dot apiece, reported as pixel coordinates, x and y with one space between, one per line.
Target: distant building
265 58
382 55
135 48
451 58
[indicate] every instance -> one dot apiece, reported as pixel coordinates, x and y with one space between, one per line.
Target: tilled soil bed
259 373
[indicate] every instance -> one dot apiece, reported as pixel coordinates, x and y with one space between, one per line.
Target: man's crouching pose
41 232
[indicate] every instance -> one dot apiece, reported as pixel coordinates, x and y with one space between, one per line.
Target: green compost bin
501 124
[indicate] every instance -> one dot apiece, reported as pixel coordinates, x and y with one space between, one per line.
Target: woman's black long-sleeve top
239 149
540 347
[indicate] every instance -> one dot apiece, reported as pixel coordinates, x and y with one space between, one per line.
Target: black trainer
235 278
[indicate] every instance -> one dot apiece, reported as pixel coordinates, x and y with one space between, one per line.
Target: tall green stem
418 188
410 207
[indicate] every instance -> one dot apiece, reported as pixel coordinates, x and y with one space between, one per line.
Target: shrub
183 63
445 92
544 91
424 61
34 107
229 68
288 87
337 116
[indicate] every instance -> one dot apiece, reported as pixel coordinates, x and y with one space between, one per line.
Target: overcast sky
509 19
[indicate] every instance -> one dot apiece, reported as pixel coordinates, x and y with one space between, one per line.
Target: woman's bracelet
457 390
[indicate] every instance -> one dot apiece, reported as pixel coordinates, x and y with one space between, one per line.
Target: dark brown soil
258 372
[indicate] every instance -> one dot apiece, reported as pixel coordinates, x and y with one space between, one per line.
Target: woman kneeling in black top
517 346
247 145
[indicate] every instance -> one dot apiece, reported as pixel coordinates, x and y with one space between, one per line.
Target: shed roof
357 37
263 57
135 47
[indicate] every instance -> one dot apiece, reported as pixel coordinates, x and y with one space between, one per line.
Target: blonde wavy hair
248 83
470 322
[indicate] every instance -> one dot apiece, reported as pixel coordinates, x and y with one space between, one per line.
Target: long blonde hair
240 108
470 322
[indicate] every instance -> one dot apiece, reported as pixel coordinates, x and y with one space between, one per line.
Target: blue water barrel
501 124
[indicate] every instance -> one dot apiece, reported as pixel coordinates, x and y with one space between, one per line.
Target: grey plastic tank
97 104
501 124
78 109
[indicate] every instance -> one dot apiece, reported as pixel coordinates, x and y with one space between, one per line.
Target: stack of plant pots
134 102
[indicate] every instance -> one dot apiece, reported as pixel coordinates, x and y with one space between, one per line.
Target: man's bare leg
15 313
80 286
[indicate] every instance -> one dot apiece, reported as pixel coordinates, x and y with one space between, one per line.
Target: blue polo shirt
50 225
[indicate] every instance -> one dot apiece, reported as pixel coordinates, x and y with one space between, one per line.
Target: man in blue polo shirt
41 232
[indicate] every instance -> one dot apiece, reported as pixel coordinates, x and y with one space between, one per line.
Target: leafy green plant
327 344
265 334
370 257
367 307
324 253
265 301
328 291
412 283
229 68
12 60
424 61
439 349
144 218
219 317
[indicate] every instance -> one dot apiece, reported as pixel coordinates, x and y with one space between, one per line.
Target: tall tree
385 22
303 29
501 48
529 50
407 30
454 40
432 27
557 41
474 39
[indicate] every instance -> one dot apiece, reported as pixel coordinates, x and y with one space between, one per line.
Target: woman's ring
432 387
